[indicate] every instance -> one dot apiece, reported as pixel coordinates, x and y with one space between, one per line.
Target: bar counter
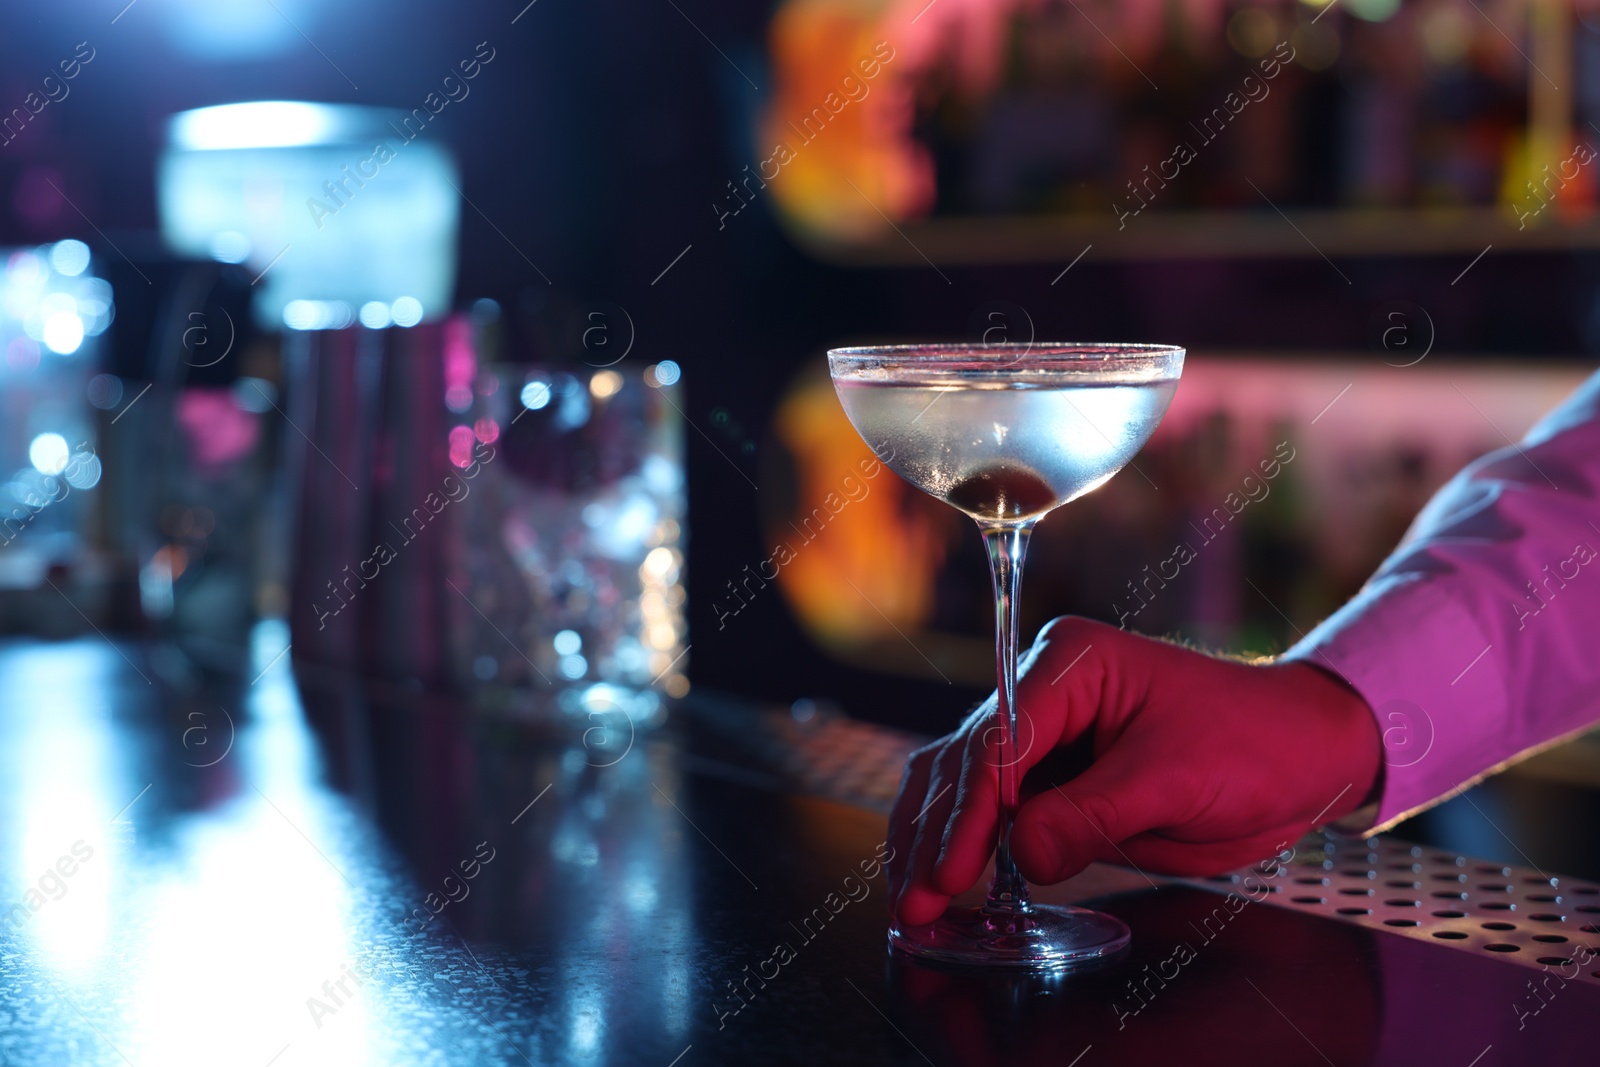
270 871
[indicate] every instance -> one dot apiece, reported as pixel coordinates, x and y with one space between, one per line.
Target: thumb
1061 830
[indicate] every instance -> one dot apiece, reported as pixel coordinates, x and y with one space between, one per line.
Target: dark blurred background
1378 248
432 399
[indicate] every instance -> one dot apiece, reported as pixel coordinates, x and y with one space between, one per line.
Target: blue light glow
48 453
407 311
535 395
375 315
360 213
257 124
230 246
317 315
69 257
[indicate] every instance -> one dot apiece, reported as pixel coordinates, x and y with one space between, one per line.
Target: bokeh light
535 394
69 257
84 471
375 315
63 333
105 391
462 442
48 453
317 315
407 311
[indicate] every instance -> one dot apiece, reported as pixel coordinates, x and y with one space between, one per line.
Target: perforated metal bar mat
1519 914
827 755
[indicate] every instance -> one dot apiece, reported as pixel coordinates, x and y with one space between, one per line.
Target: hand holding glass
1007 434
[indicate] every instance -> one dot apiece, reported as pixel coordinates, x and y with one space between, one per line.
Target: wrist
1351 740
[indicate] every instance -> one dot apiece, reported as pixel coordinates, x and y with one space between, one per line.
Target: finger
907 802
920 901
969 833
1048 714
1062 830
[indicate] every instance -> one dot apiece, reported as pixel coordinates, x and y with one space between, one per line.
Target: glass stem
1007 545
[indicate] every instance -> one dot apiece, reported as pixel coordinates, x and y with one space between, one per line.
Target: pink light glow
461 445
460 362
217 430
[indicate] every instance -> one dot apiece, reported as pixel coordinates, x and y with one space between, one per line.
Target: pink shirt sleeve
1477 642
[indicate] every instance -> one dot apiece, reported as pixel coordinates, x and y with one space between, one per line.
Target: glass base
1050 937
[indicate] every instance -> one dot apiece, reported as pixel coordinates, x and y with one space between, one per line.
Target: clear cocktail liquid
1006 452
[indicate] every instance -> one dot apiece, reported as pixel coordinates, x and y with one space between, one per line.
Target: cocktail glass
1007 433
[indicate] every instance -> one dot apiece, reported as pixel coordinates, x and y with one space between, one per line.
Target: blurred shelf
979 240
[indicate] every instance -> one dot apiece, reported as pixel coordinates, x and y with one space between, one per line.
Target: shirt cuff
1433 682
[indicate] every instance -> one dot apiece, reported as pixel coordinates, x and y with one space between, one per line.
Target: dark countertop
225 876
